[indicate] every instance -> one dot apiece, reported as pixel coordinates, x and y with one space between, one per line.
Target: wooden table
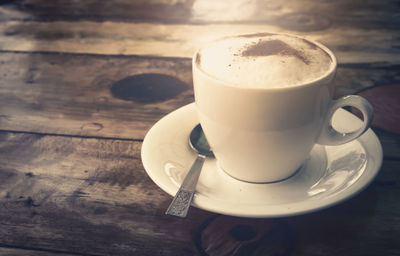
73 117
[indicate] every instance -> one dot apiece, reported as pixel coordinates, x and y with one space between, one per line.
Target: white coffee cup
264 134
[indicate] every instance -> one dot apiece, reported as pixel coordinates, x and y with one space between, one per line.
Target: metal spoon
183 198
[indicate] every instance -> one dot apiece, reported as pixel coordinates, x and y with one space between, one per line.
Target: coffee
264 60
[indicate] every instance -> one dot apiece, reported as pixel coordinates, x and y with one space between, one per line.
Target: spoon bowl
199 143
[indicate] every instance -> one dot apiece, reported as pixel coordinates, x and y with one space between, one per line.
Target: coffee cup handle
330 136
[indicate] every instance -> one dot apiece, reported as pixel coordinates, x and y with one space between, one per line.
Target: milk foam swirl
264 60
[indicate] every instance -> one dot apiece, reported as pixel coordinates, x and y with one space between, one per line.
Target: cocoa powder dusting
273 47
262 34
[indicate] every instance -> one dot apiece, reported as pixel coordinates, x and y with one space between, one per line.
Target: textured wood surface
70 94
385 100
289 13
98 96
81 82
176 28
86 196
177 40
92 196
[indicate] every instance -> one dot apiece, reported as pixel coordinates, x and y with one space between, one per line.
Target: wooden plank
92 197
351 78
307 15
386 103
174 40
298 15
122 10
390 143
73 94
86 196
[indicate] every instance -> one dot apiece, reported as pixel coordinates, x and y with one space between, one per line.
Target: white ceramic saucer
330 175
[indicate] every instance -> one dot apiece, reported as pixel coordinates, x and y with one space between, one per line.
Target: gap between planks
71 136
39 251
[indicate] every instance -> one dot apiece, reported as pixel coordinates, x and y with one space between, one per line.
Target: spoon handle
183 198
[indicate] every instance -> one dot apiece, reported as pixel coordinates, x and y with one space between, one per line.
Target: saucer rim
368 141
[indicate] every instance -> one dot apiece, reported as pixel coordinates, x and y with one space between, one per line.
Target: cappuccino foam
264 61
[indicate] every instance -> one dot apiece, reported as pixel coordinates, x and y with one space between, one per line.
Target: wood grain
352 78
92 197
121 10
386 103
175 40
298 15
87 196
81 82
390 143
71 94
